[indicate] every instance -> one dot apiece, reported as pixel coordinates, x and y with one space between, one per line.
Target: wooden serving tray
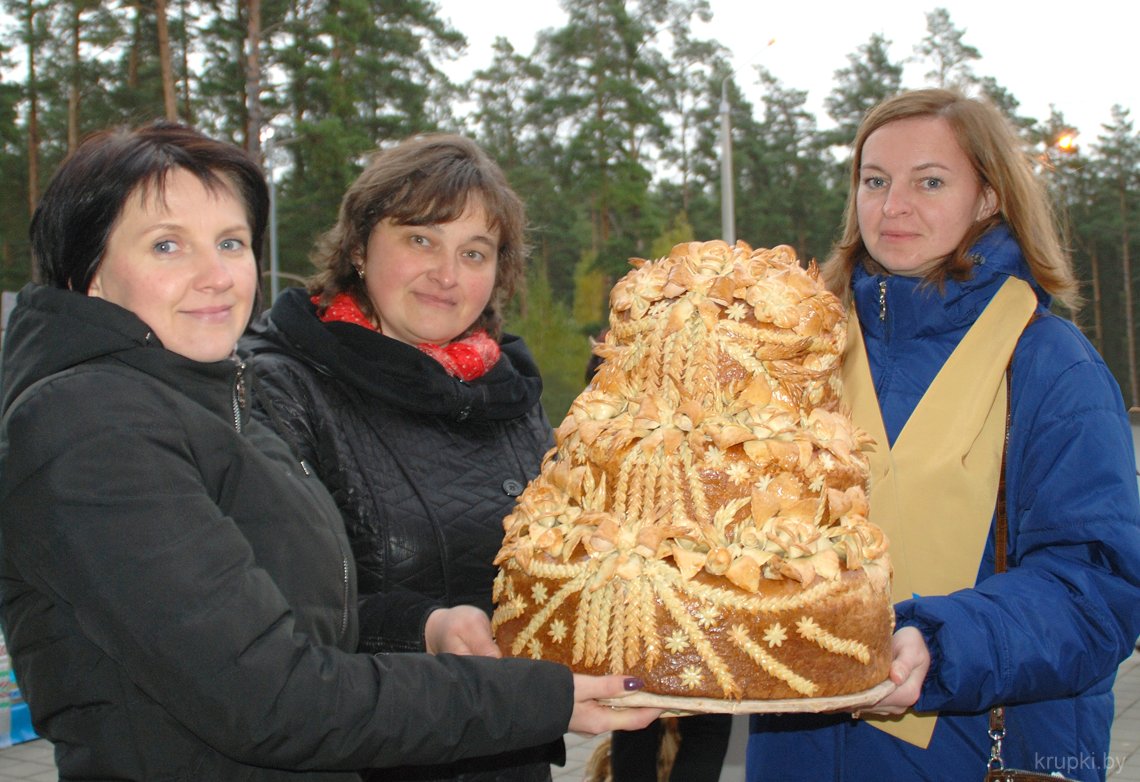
679 705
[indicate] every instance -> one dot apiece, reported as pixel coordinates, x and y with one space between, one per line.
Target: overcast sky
1082 60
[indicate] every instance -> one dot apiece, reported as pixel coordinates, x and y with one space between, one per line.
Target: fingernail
633 683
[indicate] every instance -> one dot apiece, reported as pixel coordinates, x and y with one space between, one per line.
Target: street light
273 263
1066 141
727 187
267 136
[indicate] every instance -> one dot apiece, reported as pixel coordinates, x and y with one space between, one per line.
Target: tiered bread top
710 443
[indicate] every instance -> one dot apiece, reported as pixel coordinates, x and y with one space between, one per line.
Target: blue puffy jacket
1045 638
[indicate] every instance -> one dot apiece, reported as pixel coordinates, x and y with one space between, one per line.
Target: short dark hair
86 195
423 180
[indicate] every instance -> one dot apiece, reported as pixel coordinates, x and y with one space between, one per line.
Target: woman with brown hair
392 379
987 410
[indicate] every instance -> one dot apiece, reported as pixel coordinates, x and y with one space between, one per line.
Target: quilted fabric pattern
422 466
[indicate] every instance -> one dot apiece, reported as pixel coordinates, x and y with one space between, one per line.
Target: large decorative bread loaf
702 520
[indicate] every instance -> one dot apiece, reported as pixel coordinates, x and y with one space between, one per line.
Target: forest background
609 128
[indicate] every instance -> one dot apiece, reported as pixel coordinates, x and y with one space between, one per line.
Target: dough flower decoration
705 491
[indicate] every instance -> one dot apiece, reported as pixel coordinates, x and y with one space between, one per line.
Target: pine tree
950 54
785 178
510 121
1118 169
870 77
357 74
605 77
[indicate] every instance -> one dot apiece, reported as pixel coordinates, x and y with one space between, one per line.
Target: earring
360 272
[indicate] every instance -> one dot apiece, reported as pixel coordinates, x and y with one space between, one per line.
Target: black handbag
997 772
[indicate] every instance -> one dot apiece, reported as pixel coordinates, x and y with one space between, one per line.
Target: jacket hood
52 330
391 370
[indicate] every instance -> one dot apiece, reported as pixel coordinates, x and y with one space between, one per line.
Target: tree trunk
166 62
33 124
253 80
1098 319
187 108
73 88
1129 321
136 41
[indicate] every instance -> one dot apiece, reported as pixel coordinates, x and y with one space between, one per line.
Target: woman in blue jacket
949 261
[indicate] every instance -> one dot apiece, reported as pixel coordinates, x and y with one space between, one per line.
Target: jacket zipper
239 394
344 601
883 300
239 402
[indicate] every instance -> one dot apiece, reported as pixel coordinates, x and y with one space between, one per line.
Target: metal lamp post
274 285
271 143
727 206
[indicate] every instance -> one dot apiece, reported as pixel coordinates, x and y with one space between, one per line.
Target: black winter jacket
423 467
177 594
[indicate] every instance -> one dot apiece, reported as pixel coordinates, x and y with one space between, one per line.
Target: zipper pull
240 385
239 395
883 300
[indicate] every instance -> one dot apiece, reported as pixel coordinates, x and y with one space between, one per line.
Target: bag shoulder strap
1001 524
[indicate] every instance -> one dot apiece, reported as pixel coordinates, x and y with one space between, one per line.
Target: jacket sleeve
1067 612
107 514
287 399
394 621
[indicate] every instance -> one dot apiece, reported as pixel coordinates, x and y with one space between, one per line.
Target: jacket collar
52 330
919 309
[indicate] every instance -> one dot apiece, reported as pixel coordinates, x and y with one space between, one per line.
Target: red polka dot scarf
466 359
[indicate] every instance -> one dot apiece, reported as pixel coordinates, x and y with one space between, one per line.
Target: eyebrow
487 240
919 167
484 240
168 226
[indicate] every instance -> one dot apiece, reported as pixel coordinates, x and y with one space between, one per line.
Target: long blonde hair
1001 162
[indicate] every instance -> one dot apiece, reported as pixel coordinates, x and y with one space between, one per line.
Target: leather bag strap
1001 525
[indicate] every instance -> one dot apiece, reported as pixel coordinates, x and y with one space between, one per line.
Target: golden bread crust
701 522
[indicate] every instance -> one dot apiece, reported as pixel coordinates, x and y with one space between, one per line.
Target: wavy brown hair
1001 161
424 180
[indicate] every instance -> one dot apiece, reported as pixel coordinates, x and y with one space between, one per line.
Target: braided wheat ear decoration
708 456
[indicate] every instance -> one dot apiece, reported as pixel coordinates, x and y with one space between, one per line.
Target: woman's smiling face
918 195
179 257
430 283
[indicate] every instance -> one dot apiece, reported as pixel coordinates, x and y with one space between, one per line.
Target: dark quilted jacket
423 466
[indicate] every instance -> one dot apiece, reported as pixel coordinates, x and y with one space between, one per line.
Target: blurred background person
674 749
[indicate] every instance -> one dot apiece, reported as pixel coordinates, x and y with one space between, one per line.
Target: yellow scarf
933 492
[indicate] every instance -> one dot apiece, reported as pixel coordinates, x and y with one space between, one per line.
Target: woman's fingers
591 717
909 666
